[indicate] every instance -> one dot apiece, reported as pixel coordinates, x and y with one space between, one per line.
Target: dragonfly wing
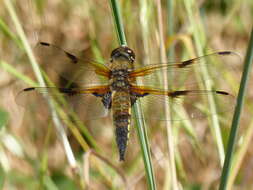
71 67
185 74
85 102
183 104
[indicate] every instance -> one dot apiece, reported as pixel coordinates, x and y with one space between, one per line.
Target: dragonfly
113 87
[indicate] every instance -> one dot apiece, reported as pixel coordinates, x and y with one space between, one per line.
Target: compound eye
123 51
131 54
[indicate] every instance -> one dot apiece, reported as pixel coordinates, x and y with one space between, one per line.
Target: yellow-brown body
121 99
121 109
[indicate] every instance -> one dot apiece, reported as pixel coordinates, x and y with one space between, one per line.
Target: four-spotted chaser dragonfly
113 85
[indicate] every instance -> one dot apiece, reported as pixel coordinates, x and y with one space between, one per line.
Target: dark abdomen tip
121 139
121 122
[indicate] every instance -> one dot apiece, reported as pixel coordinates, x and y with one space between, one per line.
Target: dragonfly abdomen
121 107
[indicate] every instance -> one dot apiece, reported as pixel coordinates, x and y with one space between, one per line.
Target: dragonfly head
123 53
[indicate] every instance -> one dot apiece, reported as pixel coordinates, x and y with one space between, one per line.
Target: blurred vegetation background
32 154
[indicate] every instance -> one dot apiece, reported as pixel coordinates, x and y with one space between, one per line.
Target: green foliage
2 177
63 182
191 28
3 117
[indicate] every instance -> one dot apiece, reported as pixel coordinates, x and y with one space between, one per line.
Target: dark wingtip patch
44 44
222 92
29 89
72 57
224 53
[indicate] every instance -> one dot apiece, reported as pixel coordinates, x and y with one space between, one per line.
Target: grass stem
200 40
236 118
170 138
141 129
41 81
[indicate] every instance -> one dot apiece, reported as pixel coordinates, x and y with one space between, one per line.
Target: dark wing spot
44 44
68 91
186 63
224 53
177 93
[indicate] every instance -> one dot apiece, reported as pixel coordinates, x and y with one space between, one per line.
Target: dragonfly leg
107 100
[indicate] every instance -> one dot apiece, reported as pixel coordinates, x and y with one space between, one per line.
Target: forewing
185 73
70 67
78 101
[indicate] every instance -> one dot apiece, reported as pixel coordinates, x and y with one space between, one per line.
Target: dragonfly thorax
120 80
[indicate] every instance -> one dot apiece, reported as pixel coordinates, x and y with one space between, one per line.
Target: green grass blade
118 22
170 138
239 156
2 177
170 27
200 42
141 130
25 42
12 70
236 118
4 117
38 74
6 31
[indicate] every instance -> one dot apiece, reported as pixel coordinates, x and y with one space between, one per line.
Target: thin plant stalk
170 27
5 30
12 70
170 138
236 118
118 22
35 67
199 40
141 129
145 17
237 161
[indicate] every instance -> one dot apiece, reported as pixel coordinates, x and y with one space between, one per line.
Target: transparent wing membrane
80 101
71 67
186 73
184 104
184 94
